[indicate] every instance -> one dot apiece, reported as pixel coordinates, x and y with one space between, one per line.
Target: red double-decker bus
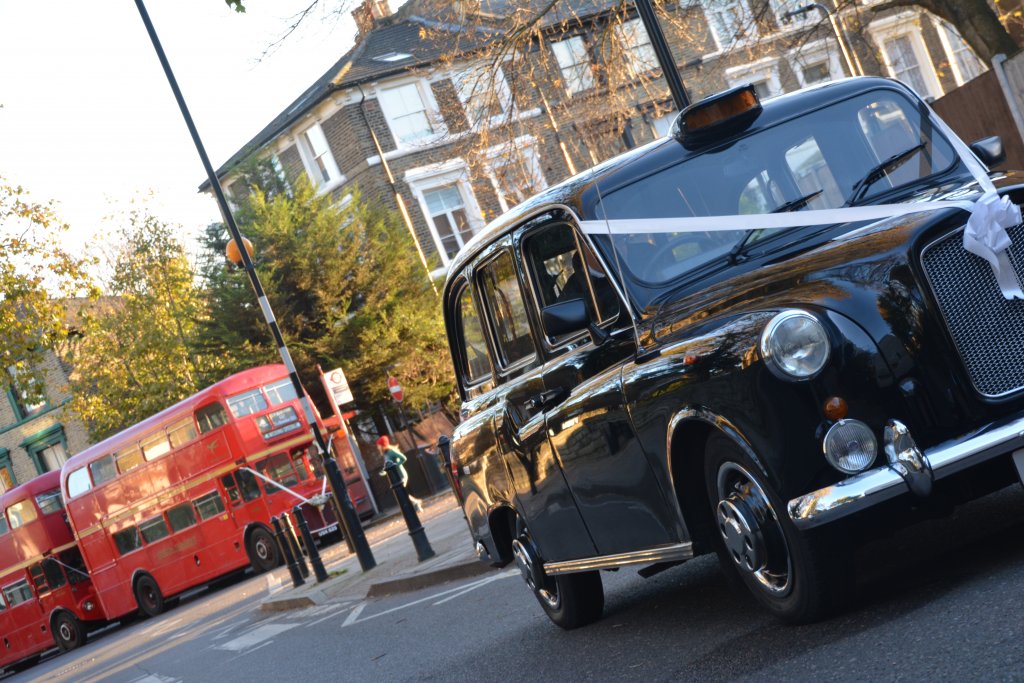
46 597
186 496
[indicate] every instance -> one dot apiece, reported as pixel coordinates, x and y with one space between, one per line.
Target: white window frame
430 110
780 7
497 157
587 62
818 52
307 154
906 24
723 43
467 82
942 28
636 44
762 70
451 172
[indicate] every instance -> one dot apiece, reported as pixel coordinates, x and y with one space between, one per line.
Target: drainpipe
394 188
558 136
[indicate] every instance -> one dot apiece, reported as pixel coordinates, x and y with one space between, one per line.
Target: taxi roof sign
707 120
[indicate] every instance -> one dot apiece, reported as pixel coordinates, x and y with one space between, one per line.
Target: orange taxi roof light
727 110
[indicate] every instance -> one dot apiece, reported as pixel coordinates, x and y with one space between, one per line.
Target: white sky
88 118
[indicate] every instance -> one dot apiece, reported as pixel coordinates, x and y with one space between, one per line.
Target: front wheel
68 632
794 575
569 600
263 552
148 596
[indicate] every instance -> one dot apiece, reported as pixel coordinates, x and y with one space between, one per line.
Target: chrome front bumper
882 483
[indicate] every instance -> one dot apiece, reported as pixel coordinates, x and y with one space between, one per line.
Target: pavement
398 570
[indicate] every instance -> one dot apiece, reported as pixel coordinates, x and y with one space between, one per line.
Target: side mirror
989 150
566 317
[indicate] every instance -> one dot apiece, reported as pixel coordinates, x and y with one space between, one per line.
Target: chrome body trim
883 483
669 553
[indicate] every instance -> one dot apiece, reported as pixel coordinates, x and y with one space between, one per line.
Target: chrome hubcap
65 632
751 530
533 575
262 551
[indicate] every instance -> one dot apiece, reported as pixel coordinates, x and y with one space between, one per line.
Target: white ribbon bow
985 236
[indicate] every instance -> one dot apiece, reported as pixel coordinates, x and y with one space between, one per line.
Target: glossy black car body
603 448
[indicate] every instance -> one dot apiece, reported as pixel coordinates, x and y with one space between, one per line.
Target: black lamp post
664 53
350 520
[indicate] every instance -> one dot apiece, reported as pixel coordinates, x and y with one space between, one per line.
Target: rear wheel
148 596
795 575
569 600
68 631
263 551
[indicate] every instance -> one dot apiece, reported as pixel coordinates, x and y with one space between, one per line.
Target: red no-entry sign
395 388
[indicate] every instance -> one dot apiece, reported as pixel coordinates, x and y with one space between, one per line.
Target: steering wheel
665 250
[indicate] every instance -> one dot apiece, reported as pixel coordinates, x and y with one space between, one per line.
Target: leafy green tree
347 289
136 354
36 273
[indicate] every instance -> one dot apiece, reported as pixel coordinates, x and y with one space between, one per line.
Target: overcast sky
88 119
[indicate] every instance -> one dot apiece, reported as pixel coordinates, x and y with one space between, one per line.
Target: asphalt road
941 601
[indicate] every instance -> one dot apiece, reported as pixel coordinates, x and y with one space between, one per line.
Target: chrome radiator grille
988 329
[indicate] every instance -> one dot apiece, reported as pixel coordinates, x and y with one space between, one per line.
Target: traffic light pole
350 520
664 53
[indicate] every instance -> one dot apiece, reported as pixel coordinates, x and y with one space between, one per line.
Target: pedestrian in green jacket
393 455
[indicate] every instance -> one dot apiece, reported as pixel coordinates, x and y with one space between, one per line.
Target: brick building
400 118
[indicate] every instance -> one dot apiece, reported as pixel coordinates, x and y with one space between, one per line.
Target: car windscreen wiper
793 205
877 172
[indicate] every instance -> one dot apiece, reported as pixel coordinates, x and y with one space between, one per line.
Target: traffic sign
395 388
337 384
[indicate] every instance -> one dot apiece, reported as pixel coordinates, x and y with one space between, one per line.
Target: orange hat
384 441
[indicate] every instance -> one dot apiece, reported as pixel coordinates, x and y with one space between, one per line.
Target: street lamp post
664 53
350 520
836 29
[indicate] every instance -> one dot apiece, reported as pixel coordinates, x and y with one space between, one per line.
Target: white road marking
333 613
470 588
356 611
256 636
156 678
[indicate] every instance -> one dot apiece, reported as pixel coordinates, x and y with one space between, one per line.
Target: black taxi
784 322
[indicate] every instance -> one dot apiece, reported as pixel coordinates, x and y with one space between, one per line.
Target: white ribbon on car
985 234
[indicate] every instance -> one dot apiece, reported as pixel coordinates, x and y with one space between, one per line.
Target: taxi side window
503 299
471 333
562 269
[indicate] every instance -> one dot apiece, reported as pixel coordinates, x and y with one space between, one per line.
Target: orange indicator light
835 408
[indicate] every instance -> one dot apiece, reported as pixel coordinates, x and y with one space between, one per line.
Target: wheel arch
251 527
138 574
501 524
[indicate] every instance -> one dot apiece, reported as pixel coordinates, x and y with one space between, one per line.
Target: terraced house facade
422 115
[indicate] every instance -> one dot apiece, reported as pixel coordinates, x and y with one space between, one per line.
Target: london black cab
783 322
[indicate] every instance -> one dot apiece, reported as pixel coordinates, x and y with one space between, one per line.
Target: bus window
102 470
74 565
209 506
300 464
21 513
129 459
247 483
50 502
210 417
156 445
154 529
17 593
279 468
181 517
78 482
4 527
53 574
180 433
280 392
247 403
232 488
127 540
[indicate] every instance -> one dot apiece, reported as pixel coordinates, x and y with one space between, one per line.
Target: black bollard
412 520
289 532
311 550
286 548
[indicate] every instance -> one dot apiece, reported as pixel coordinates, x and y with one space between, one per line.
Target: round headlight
850 446
795 345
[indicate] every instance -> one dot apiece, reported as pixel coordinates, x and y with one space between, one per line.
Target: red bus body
34 594
165 505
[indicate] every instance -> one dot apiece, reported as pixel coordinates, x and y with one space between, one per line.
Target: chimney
368 13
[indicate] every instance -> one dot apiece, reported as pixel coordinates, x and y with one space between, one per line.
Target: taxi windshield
856 151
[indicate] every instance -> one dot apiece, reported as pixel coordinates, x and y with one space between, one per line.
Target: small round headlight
795 345
850 446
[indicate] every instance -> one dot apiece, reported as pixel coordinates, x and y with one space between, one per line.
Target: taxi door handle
546 399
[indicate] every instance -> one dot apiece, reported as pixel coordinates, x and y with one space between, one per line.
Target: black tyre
148 596
569 600
68 631
794 575
263 552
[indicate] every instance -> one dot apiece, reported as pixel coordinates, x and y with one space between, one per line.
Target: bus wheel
148 596
263 554
68 631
